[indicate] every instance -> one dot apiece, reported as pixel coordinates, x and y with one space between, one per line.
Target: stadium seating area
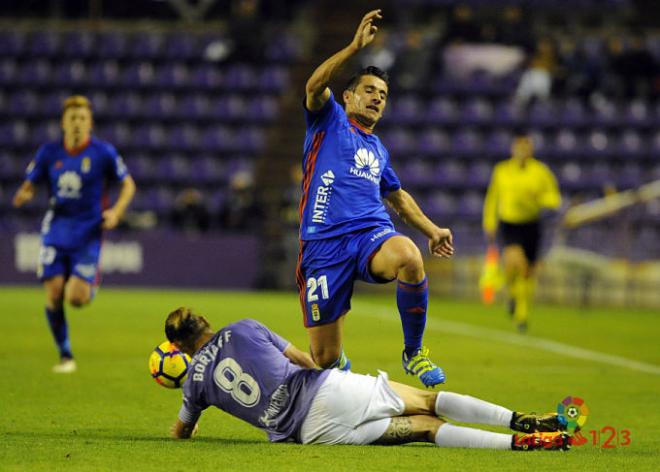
179 119
182 120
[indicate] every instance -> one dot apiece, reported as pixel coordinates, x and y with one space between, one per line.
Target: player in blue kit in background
77 170
252 373
345 230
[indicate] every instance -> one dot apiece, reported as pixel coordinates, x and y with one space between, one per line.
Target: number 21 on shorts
313 284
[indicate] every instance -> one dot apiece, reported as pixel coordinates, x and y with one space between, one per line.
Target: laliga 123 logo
573 413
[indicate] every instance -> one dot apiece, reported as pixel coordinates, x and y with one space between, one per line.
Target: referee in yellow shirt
520 188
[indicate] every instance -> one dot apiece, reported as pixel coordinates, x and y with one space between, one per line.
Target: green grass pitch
111 415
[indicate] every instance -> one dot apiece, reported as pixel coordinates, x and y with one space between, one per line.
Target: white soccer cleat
65 366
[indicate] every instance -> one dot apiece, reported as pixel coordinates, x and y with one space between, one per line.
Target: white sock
459 436
468 409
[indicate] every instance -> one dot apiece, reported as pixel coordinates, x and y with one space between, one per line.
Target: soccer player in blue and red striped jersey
77 170
345 231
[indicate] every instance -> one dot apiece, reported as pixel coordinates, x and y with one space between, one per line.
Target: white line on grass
491 334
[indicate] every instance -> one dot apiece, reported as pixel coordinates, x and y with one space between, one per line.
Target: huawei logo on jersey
367 166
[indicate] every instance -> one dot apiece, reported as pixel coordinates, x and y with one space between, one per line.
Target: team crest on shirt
366 166
85 165
69 185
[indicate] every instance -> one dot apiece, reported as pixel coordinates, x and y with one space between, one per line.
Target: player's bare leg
325 344
420 422
54 287
399 258
517 270
78 291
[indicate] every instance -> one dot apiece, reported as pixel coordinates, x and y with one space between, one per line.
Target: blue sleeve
117 170
389 181
37 169
190 410
319 119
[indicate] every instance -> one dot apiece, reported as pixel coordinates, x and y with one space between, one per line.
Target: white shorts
351 409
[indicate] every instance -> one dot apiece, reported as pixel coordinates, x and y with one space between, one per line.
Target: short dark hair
183 327
370 70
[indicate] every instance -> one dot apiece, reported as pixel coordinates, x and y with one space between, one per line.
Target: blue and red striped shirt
346 174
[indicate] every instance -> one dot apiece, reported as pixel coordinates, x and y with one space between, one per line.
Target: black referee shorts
527 235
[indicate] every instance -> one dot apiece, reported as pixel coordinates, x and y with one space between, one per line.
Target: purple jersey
242 370
76 184
346 173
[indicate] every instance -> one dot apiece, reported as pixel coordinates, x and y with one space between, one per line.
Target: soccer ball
168 365
572 412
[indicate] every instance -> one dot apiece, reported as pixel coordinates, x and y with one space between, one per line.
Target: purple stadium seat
566 143
284 48
433 142
630 176
250 139
507 114
440 204
9 72
572 113
273 79
194 107
450 174
146 46
476 112
70 74
498 143
263 109
12 167
44 132
79 45
117 133
112 45
637 113
100 104
181 47
470 206
105 74
208 170
228 108
207 77
218 138
126 105
543 114
406 109
23 103
597 145
139 74
173 75
160 106
606 114
141 167
174 168
184 137
631 144
442 111
36 72
467 142
240 77
399 141
13 43
415 173
44 44
478 174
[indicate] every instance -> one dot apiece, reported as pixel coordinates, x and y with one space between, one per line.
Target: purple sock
412 301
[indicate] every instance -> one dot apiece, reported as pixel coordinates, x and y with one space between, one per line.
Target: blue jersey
346 174
242 370
76 184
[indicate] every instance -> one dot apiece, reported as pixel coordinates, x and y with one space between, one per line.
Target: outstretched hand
441 244
366 31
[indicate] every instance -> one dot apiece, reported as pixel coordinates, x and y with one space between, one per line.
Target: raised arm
316 89
440 239
112 216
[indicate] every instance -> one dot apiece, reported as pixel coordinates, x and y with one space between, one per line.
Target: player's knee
77 299
325 357
410 262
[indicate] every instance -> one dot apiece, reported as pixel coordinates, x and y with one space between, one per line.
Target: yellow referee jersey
518 194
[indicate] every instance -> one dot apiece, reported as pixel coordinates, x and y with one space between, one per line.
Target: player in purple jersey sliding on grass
345 230
252 373
77 170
